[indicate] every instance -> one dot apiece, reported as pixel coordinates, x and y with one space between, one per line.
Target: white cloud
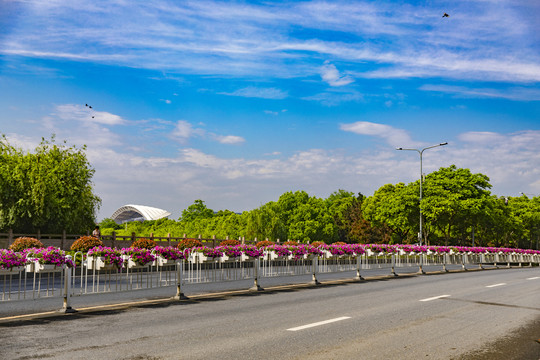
183 130
482 137
393 136
87 115
331 75
230 139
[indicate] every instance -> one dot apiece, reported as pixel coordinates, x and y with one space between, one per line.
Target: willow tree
49 189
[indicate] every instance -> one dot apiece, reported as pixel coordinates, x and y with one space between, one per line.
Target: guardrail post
358 267
444 261
256 268
463 262
179 281
66 308
393 257
420 265
480 262
314 270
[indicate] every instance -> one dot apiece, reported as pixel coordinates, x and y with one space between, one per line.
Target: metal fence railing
91 277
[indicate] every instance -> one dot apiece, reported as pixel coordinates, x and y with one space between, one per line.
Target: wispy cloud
255 92
184 131
393 136
382 39
511 93
334 98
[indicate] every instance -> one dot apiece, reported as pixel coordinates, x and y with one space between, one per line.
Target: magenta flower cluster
279 250
139 256
170 253
251 250
48 256
110 255
10 259
230 250
208 251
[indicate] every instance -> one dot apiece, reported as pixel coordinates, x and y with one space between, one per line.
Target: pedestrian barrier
34 282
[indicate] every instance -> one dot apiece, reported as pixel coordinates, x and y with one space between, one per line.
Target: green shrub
85 243
22 243
144 244
189 243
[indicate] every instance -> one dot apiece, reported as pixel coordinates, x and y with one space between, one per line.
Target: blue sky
237 102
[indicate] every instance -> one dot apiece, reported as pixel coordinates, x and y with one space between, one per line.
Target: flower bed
12 260
138 257
111 258
48 256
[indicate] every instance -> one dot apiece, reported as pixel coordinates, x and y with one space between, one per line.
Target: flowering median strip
318 323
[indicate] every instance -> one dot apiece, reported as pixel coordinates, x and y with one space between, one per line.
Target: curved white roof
138 212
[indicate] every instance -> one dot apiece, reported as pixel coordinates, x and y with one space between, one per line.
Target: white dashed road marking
318 323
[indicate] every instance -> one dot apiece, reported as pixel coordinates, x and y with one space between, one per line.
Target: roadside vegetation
457 207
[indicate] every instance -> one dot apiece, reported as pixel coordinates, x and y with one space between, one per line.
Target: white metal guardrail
90 277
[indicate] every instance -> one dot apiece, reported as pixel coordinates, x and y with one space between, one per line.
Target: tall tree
396 207
454 197
48 190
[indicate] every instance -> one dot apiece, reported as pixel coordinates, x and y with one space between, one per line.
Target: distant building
138 213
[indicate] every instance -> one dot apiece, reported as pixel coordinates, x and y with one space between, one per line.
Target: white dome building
138 213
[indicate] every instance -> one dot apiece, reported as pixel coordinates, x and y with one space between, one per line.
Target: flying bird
85 104
90 107
445 15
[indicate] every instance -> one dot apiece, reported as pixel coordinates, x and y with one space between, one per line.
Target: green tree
197 210
394 207
49 190
454 199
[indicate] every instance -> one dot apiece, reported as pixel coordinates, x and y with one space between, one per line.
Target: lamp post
420 204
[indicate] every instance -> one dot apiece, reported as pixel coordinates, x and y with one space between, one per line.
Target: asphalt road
493 313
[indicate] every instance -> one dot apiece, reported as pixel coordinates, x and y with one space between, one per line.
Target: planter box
245 257
206 259
272 255
133 265
98 263
14 270
226 258
46 268
161 261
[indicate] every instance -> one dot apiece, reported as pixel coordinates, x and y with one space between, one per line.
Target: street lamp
420 204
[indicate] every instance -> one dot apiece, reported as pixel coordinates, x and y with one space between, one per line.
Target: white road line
534 278
435 298
495 285
318 323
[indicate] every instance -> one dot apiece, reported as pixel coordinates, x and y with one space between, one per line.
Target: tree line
457 208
